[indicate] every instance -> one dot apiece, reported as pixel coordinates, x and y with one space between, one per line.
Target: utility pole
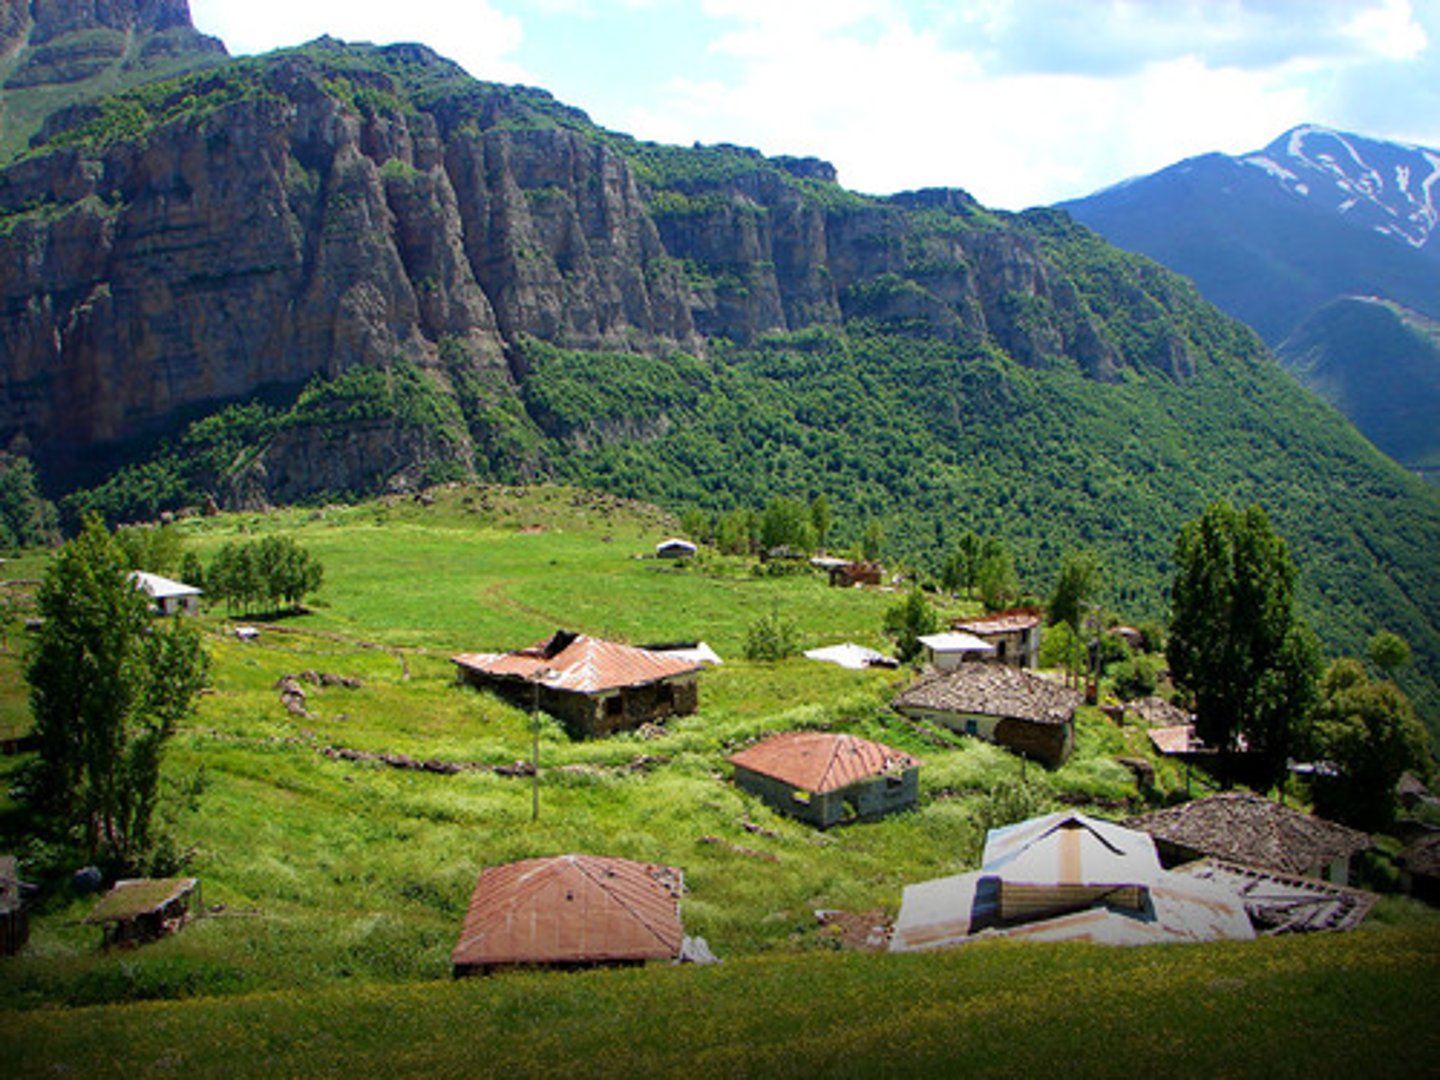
536 678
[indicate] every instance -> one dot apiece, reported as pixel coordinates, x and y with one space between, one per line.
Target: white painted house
947 651
168 597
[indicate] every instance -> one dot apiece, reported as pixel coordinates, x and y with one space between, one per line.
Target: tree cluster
107 686
265 574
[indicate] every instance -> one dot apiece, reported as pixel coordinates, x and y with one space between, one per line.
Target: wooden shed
571 911
594 687
826 778
143 909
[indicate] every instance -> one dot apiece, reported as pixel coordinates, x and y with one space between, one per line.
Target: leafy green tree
908 620
821 519
772 637
995 575
26 518
872 541
785 523
1389 652
1235 643
1368 730
192 570
1077 585
107 687
146 547
958 571
695 524
734 531
269 573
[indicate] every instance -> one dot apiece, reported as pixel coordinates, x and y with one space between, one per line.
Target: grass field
337 886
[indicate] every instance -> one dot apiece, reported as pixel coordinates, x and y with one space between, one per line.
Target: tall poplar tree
1235 643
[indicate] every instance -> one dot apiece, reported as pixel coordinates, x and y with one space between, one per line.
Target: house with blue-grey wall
826 778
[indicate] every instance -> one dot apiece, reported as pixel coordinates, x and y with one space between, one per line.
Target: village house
594 687
947 651
1253 831
847 575
1065 877
143 909
1015 634
825 778
168 597
571 911
1420 869
1015 709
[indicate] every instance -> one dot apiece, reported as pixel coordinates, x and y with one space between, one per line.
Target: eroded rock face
299 218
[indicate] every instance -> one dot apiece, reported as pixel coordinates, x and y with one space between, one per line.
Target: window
614 706
971 727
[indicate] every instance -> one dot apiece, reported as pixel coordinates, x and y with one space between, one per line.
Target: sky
1019 102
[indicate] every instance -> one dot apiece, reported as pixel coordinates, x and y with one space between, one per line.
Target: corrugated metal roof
583 664
1070 848
162 588
572 909
992 690
1249 829
1002 622
821 761
955 641
1179 739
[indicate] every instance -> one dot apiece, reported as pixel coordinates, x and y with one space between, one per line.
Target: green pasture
325 876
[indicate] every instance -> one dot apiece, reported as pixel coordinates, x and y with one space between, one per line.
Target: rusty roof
1244 828
572 909
1000 622
992 690
579 663
821 761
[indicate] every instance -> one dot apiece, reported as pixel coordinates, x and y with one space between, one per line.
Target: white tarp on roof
1067 876
848 655
700 653
955 641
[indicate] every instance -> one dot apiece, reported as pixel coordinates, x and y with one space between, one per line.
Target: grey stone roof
992 690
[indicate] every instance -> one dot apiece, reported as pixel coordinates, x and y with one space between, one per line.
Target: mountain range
1278 236
343 269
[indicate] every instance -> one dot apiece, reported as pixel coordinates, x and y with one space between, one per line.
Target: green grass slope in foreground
1341 1005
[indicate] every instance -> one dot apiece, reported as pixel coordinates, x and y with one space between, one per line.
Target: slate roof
1423 856
1158 713
572 909
821 761
1002 622
1245 828
992 690
579 663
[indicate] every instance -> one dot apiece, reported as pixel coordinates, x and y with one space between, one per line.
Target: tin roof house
953 648
1019 711
1014 633
1067 876
594 687
571 911
826 778
168 597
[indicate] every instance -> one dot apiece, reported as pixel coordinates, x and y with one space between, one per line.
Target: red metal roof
572 909
1001 622
583 664
819 761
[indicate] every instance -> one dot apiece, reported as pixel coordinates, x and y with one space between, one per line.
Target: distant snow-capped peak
1393 188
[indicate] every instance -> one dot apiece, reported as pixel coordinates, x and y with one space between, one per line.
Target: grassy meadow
334 888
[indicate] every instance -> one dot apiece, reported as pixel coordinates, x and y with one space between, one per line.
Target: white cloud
1390 31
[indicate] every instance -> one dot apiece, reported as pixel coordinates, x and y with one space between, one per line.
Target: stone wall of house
868 799
594 716
1050 743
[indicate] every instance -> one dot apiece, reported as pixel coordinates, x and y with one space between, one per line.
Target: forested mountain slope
341 269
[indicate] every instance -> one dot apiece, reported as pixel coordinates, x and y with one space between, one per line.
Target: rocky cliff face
311 212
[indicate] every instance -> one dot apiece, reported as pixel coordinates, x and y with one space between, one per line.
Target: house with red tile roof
595 687
571 911
825 778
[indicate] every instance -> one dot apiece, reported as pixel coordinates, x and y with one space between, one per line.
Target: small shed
143 909
947 651
849 574
675 548
594 687
14 927
568 912
1015 634
1239 827
825 778
1420 869
1001 704
168 597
